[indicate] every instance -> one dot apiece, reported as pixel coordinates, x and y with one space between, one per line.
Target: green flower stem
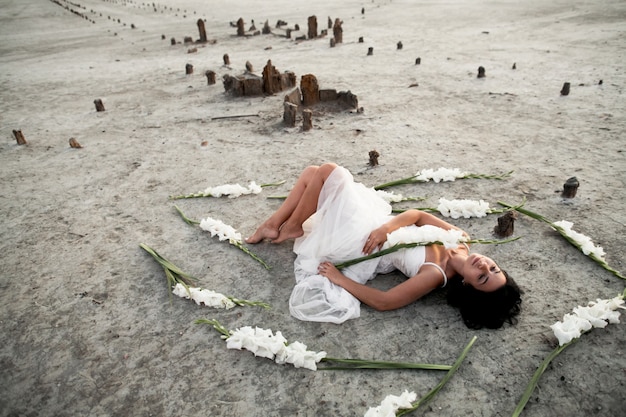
409 180
237 244
242 303
562 232
434 210
251 254
173 273
535 379
366 364
216 325
413 180
399 246
185 218
441 383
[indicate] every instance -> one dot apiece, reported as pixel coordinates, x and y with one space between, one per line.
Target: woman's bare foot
264 231
287 232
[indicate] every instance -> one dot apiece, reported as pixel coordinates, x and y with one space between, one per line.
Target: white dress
346 214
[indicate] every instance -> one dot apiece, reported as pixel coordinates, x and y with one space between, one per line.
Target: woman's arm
399 296
378 236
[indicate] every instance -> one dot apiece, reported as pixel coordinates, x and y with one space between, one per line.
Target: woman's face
482 273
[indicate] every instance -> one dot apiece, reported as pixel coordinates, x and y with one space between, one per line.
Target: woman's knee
325 169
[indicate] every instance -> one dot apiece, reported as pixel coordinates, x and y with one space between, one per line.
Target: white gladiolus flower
264 343
441 174
426 234
570 328
223 231
585 243
598 313
233 190
203 296
389 196
391 404
463 208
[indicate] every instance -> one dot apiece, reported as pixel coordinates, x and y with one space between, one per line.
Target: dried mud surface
86 322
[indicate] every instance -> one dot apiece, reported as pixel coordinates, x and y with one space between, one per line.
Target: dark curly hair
486 309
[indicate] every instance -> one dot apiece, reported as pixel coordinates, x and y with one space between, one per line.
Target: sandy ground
86 323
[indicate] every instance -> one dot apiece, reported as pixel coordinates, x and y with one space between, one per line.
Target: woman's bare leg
301 203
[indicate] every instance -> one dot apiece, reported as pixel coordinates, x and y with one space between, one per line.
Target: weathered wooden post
99 105
188 69
312 23
226 59
307 120
481 72
399 45
173 41
202 31
210 77
310 90
565 89
338 31
506 224
370 50
241 31
19 137
272 80
74 144
373 158
266 28
570 188
418 61
290 111
249 66
332 42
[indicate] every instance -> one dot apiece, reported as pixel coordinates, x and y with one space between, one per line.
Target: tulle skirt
346 214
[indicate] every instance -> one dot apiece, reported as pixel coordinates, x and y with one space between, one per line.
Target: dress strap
445 277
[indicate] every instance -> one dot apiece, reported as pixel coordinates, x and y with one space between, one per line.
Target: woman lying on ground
334 219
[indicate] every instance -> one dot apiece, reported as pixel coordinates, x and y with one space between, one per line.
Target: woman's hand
331 272
375 240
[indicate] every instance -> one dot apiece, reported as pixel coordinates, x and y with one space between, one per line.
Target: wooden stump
399 45
99 105
505 227
565 89
202 31
188 69
338 31
332 42
241 31
418 61
173 41
360 39
294 97
226 59
74 144
19 137
514 66
249 66
348 99
266 28
290 111
187 39
328 95
312 24
330 23
570 188
481 72
210 77
310 90
271 79
373 158
307 120
370 51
